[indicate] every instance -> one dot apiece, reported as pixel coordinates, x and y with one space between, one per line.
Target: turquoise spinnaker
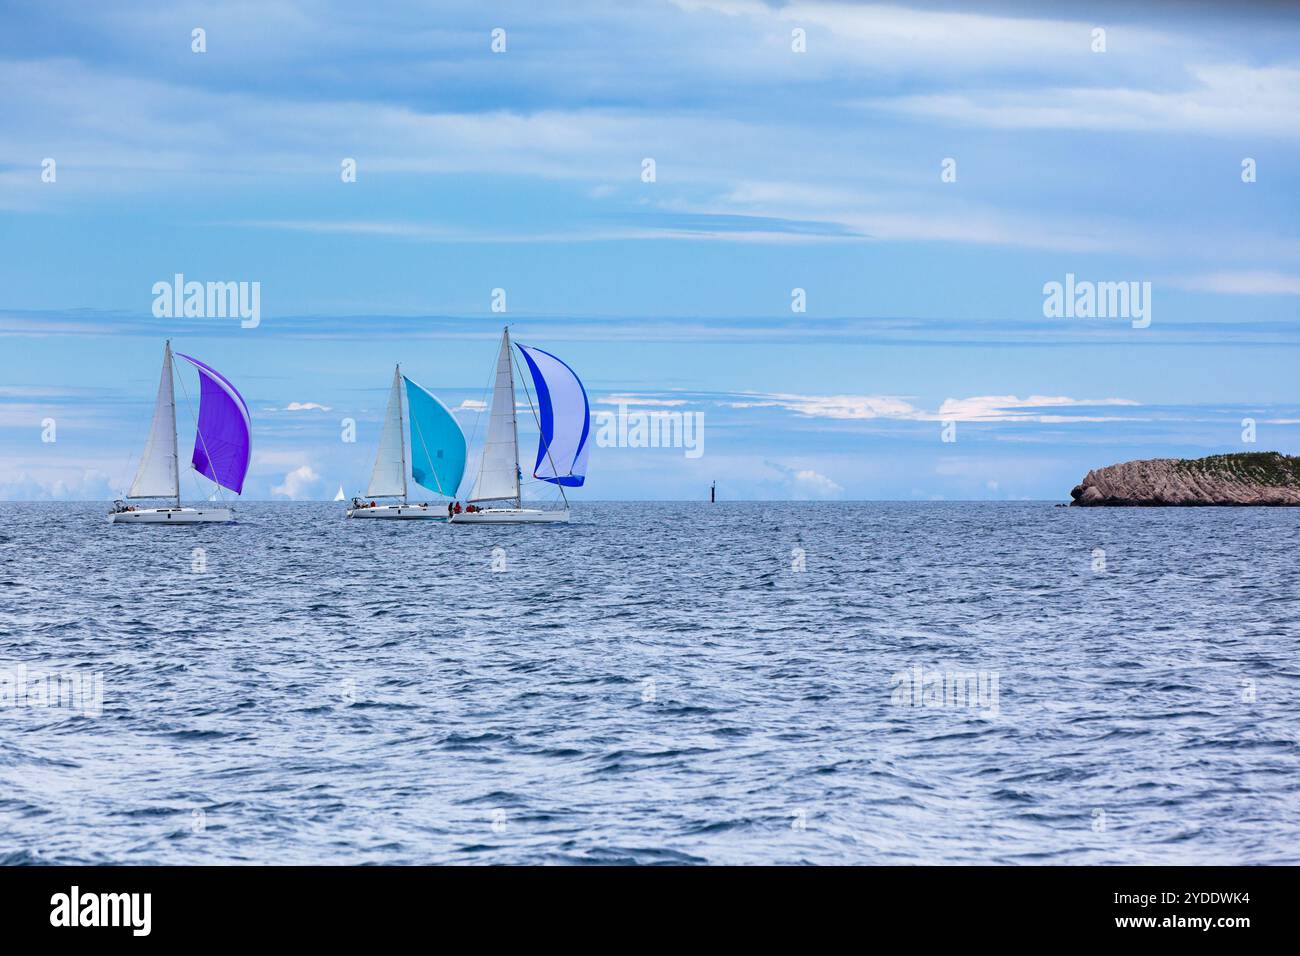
438 448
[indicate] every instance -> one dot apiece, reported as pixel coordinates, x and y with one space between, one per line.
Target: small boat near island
435 458
564 426
222 450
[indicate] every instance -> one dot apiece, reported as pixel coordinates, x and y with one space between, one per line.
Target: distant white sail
498 475
158 475
388 480
340 496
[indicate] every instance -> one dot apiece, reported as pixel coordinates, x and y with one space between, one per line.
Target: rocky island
1248 478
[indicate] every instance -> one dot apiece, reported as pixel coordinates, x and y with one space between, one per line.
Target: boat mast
176 450
514 419
401 427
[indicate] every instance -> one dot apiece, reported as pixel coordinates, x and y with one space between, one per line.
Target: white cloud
270 459
980 408
835 406
792 194
987 70
1242 283
471 405
759 231
981 226
305 407
1009 408
24 415
977 69
58 483
572 141
804 483
812 484
298 483
638 400
42 391
1229 99
887 37
579 143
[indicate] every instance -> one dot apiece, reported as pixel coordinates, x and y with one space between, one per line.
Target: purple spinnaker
224 442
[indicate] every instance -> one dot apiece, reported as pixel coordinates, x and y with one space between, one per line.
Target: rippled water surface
656 683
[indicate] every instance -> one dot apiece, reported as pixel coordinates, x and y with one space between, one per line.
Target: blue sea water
656 683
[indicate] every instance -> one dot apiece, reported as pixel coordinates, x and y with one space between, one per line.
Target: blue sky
775 170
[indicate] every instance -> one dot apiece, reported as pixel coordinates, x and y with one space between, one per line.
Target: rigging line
529 396
199 435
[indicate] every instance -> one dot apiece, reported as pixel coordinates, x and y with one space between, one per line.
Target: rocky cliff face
1254 478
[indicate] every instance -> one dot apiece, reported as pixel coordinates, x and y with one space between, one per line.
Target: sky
920 172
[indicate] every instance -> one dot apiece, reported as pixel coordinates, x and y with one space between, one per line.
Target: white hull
510 516
172 516
400 512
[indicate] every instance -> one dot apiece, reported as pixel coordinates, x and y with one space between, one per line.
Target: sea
654 683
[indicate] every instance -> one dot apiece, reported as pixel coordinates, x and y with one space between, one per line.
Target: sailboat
564 423
222 450
435 459
340 496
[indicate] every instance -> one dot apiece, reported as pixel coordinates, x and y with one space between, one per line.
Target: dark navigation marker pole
713 493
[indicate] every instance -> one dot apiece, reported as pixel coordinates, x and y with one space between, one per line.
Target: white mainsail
340 496
388 480
498 475
159 472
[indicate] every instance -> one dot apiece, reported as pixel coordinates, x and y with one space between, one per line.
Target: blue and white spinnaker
564 416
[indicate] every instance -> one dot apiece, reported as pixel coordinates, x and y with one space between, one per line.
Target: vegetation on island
1252 467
